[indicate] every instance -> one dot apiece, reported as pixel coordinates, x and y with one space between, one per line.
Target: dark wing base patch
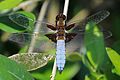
52 37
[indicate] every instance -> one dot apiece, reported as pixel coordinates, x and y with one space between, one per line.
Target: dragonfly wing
45 27
68 27
52 37
43 51
69 36
75 43
78 41
24 21
52 27
80 29
97 18
42 44
21 38
28 23
20 19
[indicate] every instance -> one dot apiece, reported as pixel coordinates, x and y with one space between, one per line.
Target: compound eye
64 17
60 16
57 17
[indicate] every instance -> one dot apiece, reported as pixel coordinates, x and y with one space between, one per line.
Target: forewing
96 18
22 20
29 23
99 16
79 29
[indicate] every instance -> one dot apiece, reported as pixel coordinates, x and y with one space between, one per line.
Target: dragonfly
60 36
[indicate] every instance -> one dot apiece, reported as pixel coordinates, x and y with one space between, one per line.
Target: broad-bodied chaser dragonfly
61 36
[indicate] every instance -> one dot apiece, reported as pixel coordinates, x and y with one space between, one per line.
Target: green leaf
8 26
9 4
23 19
115 59
94 44
68 73
10 70
32 61
95 76
98 76
87 78
74 56
29 15
4 73
17 22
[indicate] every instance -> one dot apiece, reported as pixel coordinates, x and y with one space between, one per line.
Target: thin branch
53 70
66 7
37 26
65 13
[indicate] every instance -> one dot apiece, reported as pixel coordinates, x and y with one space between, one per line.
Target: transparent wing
78 41
28 23
20 19
25 38
21 38
43 44
97 18
44 50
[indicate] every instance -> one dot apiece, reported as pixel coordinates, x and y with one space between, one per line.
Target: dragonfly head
60 16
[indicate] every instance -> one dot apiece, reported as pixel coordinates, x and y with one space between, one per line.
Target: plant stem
37 26
66 7
65 13
53 70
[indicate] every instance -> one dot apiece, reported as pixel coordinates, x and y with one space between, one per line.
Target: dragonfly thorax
60 31
61 22
61 35
60 25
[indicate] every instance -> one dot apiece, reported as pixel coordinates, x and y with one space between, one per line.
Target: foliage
6 4
12 25
66 74
10 70
115 59
95 50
